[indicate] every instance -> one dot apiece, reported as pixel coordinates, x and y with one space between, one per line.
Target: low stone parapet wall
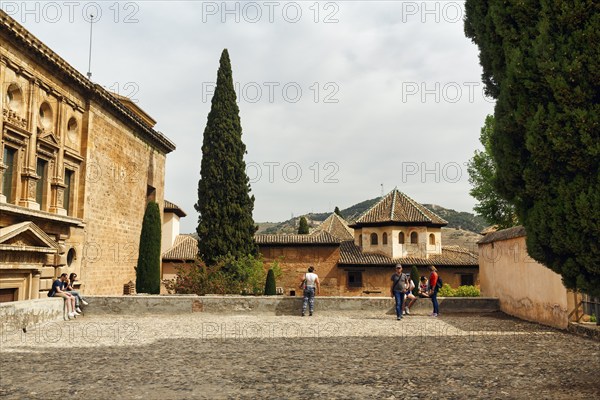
278 305
19 315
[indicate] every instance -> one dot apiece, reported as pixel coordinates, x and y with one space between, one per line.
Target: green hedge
461 291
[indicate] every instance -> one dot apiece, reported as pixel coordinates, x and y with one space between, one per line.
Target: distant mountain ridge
456 219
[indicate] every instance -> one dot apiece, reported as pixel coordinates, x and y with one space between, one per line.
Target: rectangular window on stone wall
354 279
467 280
42 173
68 191
150 194
8 159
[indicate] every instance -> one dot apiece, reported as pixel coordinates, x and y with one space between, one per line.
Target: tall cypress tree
225 225
147 272
540 63
303 226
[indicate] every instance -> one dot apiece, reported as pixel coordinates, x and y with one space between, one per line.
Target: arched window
401 238
46 116
373 239
414 238
384 238
14 98
432 239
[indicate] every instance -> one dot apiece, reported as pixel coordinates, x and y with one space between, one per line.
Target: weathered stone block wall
120 167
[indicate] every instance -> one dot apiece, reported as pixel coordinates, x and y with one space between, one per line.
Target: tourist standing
398 289
433 290
310 284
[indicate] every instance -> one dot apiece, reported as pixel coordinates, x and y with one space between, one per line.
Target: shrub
270 286
593 318
446 291
467 291
245 275
461 291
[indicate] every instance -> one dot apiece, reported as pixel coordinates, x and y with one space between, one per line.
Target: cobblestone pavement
203 356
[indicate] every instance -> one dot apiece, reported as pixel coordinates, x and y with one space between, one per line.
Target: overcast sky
338 100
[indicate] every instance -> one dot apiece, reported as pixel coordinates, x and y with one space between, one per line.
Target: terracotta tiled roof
318 239
174 208
185 248
504 234
399 208
451 256
337 226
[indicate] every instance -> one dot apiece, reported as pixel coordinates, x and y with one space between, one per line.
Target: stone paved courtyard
203 356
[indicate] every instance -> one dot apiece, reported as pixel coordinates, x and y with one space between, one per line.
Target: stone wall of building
81 165
121 170
294 262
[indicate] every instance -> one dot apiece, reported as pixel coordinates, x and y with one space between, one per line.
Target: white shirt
310 277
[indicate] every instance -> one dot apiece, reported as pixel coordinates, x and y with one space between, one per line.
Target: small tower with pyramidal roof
398 227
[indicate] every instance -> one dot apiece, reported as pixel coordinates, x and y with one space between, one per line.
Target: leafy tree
225 224
482 176
541 67
148 265
303 226
338 212
270 285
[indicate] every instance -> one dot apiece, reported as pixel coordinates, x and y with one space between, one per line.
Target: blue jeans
436 306
399 297
309 299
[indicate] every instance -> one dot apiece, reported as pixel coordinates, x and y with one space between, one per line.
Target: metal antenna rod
89 73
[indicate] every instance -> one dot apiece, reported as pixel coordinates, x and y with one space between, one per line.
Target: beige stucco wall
393 248
526 289
170 230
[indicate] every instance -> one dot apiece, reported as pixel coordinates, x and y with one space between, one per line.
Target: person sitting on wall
408 295
68 288
57 291
423 287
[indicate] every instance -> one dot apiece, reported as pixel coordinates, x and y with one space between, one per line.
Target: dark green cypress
225 225
303 226
148 265
338 212
541 62
416 278
270 285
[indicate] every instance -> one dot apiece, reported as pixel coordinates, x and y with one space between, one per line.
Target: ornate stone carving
14 119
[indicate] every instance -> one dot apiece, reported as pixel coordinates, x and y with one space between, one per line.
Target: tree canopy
225 225
482 176
540 62
147 272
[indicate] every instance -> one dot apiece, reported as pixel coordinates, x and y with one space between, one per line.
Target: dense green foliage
482 176
303 226
225 224
416 278
541 62
338 212
270 285
461 291
244 275
147 271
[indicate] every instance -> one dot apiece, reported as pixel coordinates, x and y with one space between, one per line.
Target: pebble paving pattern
327 356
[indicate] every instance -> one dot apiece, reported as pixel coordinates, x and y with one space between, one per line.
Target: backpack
439 283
